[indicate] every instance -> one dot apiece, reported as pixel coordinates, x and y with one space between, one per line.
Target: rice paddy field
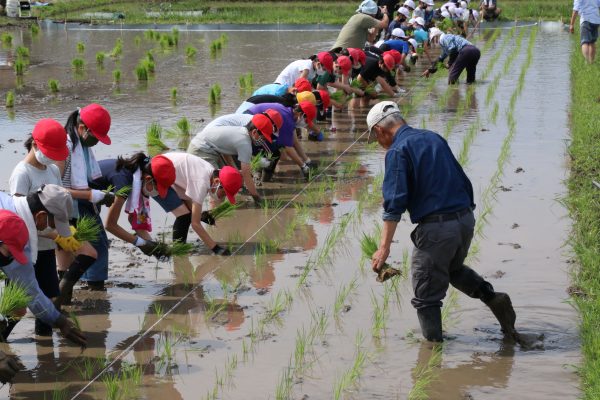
297 313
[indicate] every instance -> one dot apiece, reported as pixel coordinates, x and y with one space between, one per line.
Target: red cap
51 138
14 234
310 112
389 61
163 172
358 55
97 119
302 85
345 64
396 54
325 99
275 118
326 61
264 125
231 180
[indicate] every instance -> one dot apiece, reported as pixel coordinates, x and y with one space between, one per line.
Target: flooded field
297 313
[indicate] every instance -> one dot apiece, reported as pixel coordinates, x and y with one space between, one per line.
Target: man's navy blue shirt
423 177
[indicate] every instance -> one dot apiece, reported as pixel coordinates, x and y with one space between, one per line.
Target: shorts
589 32
170 202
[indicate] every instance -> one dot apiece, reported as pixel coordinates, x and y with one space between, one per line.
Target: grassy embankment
288 12
584 204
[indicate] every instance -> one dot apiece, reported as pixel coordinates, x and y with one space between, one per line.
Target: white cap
413 42
463 4
411 21
409 4
429 2
433 32
404 11
452 9
398 32
368 7
420 21
379 112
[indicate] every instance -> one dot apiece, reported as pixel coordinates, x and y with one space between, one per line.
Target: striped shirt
451 45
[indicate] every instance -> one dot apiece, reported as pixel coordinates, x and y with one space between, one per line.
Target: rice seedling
10 99
88 368
35 29
22 52
174 95
182 128
78 64
116 75
150 34
494 113
304 274
75 320
112 385
87 229
351 376
223 210
278 304
215 94
284 384
319 322
302 344
338 96
117 50
246 83
380 314
190 51
60 393
6 39
154 137
342 295
148 66
13 297
425 375
212 307
80 47
100 58
175 35
19 67
137 40
179 249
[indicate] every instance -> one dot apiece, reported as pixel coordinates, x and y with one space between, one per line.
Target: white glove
96 196
139 241
264 162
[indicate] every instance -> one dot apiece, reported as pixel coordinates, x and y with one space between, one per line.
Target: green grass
88 230
583 201
12 298
10 99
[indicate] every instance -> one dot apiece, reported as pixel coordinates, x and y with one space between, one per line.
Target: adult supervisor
589 12
463 55
423 177
362 27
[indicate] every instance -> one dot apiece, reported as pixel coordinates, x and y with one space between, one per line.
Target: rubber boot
504 312
96 286
430 319
7 329
42 328
181 227
70 278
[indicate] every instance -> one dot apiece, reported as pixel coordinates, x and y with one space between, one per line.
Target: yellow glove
69 244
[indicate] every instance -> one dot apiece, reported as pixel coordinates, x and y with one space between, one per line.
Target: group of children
60 181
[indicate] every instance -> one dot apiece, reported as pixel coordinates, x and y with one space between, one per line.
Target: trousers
467 58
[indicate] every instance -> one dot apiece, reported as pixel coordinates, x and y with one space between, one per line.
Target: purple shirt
286 133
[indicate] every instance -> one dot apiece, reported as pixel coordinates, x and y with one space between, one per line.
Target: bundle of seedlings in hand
10 99
13 297
154 136
53 86
369 246
223 210
256 163
178 249
88 229
123 192
338 96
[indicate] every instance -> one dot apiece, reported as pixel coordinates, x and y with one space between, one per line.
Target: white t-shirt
230 120
588 10
293 71
228 140
192 176
25 179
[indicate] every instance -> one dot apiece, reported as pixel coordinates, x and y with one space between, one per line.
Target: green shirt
354 33
323 80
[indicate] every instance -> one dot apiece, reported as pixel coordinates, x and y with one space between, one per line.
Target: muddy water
475 363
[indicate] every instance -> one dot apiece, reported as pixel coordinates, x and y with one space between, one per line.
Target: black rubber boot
504 312
430 319
96 286
42 328
70 278
181 227
7 329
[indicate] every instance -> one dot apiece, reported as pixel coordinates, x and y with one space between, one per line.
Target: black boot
96 286
430 319
504 312
42 328
70 278
181 227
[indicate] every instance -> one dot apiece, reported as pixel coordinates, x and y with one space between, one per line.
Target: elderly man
362 27
589 12
423 177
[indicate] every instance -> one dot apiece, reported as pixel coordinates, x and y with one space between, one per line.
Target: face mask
42 159
214 195
90 140
5 260
152 193
320 71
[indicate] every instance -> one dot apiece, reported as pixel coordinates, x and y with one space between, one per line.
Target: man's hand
108 200
207 218
571 28
379 258
9 366
70 331
221 251
258 201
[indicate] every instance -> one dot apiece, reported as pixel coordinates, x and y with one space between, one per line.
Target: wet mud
231 328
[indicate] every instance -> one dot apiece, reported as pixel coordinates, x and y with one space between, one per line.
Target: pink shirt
192 176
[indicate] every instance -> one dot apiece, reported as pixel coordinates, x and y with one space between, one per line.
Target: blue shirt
423 177
420 35
274 89
451 45
287 131
398 44
110 176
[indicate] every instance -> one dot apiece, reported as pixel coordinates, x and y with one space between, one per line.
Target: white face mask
214 195
152 193
42 159
320 71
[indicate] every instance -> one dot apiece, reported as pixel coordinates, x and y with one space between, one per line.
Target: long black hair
28 143
138 160
71 127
